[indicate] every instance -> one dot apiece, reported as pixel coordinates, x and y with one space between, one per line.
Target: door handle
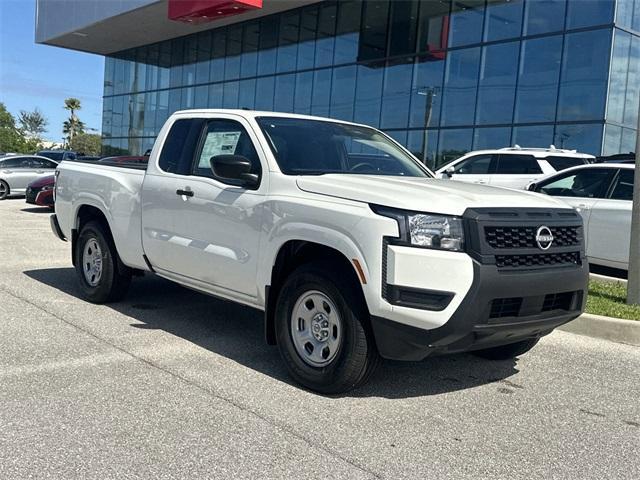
583 206
186 193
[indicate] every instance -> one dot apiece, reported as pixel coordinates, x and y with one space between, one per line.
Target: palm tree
72 126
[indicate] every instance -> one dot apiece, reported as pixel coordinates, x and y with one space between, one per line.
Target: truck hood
422 194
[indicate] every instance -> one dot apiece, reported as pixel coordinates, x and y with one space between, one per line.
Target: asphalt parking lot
174 384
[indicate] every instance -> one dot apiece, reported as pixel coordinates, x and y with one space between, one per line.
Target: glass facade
440 76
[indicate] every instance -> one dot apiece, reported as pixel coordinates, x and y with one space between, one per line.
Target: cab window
585 183
224 137
623 186
517 165
476 165
179 147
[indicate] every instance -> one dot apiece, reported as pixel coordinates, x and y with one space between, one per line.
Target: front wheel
506 352
322 330
102 277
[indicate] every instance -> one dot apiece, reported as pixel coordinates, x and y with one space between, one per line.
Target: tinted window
179 147
497 86
543 16
466 22
57 156
460 85
586 183
20 162
503 20
623 186
225 137
561 163
312 147
517 165
477 165
373 33
403 27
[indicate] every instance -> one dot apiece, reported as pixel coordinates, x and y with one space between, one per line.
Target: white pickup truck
346 242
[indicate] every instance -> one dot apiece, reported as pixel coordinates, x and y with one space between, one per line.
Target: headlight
427 230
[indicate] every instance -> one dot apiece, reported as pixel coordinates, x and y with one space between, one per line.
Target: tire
106 278
353 356
5 191
506 352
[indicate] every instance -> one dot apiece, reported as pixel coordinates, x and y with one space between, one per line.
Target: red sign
199 11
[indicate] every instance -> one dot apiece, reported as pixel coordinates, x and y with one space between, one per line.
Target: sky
41 76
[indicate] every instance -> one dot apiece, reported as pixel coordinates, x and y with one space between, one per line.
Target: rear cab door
610 223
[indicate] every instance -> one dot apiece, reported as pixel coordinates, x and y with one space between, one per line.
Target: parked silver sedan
18 171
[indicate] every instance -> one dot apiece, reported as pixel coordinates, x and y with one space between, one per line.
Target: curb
606 328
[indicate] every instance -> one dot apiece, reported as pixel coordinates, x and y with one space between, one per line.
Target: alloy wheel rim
92 262
316 328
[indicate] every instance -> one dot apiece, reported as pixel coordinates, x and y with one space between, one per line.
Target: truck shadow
236 332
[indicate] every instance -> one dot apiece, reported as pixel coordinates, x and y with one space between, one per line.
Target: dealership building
441 76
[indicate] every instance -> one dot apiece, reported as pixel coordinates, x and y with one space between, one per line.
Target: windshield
316 147
57 156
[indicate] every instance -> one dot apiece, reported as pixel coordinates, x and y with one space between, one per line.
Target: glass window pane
517 165
162 111
187 98
618 76
343 93
538 80
234 49
204 57
109 75
369 94
623 188
307 42
466 20
321 92
246 98
452 144
476 165
373 33
265 93
304 88
201 97
231 91
585 183
177 58
399 136
396 94
247 95
174 100
542 16
633 82
215 95
426 94
584 138
288 41
285 86
250 39
460 86
164 69
326 34
497 87
347 32
592 12
491 138
153 58
583 84
540 136
403 27
219 48
190 60
416 141
612 140
268 45
628 143
503 20
433 25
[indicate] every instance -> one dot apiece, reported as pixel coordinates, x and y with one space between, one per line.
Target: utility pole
633 285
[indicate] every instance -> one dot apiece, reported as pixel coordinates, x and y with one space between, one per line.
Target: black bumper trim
469 327
422 299
55 228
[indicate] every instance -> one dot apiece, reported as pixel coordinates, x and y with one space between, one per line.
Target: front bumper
499 308
31 195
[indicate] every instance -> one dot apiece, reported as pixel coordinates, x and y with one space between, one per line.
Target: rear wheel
323 331
506 352
4 190
102 277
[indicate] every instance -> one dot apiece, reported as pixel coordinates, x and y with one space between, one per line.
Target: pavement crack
274 423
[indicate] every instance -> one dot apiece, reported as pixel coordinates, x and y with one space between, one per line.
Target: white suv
512 167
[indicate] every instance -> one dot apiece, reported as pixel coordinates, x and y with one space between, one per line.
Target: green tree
33 124
12 139
73 125
86 143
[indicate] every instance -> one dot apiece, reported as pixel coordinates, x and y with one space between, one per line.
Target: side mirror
532 187
234 169
450 171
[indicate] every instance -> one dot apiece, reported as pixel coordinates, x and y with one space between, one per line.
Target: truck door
195 225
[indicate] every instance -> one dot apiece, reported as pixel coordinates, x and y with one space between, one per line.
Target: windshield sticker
218 143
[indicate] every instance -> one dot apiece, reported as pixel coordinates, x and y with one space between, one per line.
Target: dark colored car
618 158
58 155
40 192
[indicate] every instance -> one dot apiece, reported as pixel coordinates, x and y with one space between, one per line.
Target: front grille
31 194
505 307
558 301
538 260
525 237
